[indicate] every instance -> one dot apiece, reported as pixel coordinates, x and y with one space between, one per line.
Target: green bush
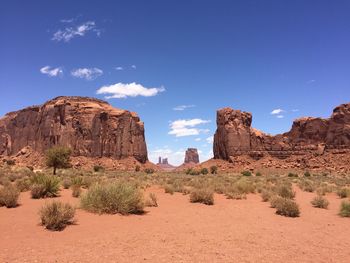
44 186
213 169
195 172
292 175
58 157
98 168
9 196
258 174
56 215
307 174
287 207
320 202
246 173
344 209
116 197
202 195
204 171
23 184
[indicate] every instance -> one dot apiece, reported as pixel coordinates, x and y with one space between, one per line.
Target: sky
176 63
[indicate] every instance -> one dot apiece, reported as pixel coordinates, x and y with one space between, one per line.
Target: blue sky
291 58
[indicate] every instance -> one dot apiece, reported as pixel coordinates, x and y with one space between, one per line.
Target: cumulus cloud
133 66
181 128
87 73
81 30
51 72
197 139
124 90
119 68
183 107
210 139
276 111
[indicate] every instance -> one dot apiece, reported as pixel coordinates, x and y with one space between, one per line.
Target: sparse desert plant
188 171
76 190
117 197
195 172
285 191
287 207
265 195
204 171
58 157
235 195
151 201
202 195
344 209
320 202
149 170
244 185
213 169
292 175
343 192
246 173
23 184
66 183
275 200
56 215
98 168
137 168
258 174
169 189
306 186
44 186
307 174
10 162
77 180
9 196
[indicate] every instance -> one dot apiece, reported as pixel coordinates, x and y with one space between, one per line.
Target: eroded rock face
90 127
235 136
191 156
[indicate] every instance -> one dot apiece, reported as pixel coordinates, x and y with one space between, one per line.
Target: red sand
179 231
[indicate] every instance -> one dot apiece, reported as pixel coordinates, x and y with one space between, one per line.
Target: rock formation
90 127
309 136
191 156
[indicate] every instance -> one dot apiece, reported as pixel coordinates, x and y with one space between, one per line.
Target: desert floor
180 231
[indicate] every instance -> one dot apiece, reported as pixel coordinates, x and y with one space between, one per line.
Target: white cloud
277 111
183 107
69 20
124 90
181 128
119 68
280 116
69 33
133 66
51 72
210 139
295 110
197 139
87 73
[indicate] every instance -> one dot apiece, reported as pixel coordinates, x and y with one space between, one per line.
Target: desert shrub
9 196
213 169
23 184
237 195
137 168
10 162
292 175
169 189
246 173
306 186
66 183
344 209
202 195
76 190
265 195
244 185
4 181
149 170
44 186
204 171
188 170
287 207
58 157
116 197
307 174
275 200
320 202
258 174
98 168
56 215
77 180
151 201
195 172
343 192
285 191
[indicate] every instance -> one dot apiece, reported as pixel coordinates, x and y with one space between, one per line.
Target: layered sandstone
313 137
191 156
90 127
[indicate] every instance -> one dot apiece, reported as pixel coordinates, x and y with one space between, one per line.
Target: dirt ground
180 231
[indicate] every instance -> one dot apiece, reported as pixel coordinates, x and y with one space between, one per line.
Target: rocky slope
311 143
90 127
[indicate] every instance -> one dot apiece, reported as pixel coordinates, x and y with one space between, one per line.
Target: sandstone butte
191 156
312 143
90 127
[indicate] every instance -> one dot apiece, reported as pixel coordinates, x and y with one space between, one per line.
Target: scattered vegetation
98 168
287 207
58 157
56 215
137 168
246 173
43 185
76 190
117 197
320 202
9 196
343 192
204 171
149 170
202 195
151 201
344 209
213 169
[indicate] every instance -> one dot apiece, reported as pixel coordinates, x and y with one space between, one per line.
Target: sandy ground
179 231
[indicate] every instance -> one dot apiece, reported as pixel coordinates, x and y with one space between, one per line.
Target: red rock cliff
90 127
